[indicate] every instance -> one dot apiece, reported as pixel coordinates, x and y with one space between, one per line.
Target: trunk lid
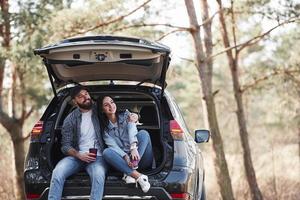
95 58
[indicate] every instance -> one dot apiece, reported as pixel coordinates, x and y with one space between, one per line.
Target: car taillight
180 196
176 131
36 131
30 196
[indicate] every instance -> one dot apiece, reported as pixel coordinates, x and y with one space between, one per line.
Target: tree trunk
250 173
298 127
14 128
19 153
205 68
11 124
222 172
299 138
2 63
5 27
5 43
233 64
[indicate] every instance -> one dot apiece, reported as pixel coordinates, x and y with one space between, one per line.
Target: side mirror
202 136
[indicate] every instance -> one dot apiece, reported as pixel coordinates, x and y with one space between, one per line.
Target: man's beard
86 105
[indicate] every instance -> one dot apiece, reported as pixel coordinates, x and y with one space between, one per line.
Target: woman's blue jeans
144 149
71 165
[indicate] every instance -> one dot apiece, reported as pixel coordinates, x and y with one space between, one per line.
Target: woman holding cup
128 148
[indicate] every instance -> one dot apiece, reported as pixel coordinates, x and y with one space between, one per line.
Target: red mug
94 151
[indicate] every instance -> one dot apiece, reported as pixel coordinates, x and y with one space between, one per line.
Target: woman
124 141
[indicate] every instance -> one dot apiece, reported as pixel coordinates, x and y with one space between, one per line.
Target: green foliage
96 16
267 9
29 33
184 84
287 46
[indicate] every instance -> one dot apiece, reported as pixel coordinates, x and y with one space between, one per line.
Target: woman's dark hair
104 121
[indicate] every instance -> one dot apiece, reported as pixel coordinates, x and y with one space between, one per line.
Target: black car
133 72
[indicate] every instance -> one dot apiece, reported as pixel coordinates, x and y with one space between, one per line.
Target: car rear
172 168
104 62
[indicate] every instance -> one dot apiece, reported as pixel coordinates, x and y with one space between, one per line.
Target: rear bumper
82 193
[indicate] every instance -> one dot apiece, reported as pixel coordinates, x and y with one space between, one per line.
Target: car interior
148 120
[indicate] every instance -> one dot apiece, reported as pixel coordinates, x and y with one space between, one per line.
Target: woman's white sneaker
128 179
144 183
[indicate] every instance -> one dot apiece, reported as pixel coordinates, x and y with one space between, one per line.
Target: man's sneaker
128 179
144 183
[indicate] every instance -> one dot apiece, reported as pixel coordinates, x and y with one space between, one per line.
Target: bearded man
80 132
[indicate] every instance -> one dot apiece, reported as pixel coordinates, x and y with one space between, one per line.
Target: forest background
262 37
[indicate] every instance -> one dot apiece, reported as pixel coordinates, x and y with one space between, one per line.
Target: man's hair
75 90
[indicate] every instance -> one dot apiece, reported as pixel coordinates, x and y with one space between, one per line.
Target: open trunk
145 104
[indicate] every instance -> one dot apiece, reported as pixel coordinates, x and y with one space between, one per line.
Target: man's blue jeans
144 149
71 165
